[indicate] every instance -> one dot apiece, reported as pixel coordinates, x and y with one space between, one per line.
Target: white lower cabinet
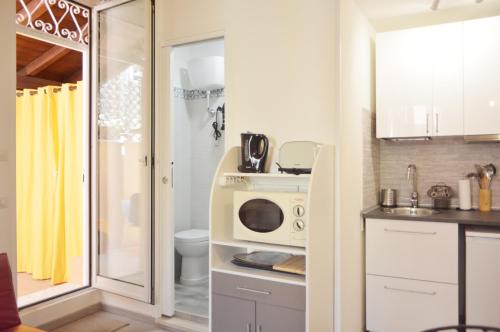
412 275
482 277
402 305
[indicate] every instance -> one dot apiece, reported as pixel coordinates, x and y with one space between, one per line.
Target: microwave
270 217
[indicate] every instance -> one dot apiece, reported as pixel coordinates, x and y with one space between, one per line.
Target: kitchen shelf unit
254 246
286 278
320 224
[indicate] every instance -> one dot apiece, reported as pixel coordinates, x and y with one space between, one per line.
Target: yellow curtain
49 180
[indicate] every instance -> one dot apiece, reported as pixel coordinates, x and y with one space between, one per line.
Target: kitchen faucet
412 180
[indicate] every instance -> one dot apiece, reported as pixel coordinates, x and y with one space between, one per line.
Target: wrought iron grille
60 18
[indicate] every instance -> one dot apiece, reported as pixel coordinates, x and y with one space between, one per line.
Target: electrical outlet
3 155
3 203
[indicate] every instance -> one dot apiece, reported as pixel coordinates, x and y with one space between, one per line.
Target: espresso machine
254 149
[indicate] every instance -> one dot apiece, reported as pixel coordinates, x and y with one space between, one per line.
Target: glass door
123 148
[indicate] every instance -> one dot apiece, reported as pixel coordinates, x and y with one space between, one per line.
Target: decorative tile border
196 94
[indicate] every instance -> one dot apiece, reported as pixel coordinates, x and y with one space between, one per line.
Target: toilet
192 245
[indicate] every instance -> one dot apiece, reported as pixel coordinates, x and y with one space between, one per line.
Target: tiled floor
192 299
107 322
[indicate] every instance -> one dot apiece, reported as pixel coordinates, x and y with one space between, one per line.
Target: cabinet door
482 276
412 249
482 76
403 305
272 318
404 83
447 51
230 314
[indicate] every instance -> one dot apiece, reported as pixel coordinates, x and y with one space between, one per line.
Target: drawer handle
409 291
409 232
255 291
249 327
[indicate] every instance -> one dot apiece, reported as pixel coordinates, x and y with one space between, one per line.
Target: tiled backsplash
439 160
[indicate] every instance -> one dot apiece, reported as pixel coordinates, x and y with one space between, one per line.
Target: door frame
86 51
142 293
164 153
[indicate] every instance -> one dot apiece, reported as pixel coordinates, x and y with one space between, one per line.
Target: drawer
399 305
263 291
412 249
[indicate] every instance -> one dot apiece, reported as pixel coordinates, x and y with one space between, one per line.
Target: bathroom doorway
197 116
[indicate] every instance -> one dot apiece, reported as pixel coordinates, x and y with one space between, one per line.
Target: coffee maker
254 149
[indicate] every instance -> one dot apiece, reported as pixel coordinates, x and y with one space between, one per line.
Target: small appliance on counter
270 217
388 197
254 148
297 157
441 195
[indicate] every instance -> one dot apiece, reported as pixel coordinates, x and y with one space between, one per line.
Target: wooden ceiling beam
35 14
75 77
28 82
43 61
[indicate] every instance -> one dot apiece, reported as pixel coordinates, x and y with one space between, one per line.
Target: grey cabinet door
230 314
272 318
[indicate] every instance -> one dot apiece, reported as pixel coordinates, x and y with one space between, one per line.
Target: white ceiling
380 9
394 14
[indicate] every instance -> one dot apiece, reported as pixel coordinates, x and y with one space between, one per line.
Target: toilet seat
192 235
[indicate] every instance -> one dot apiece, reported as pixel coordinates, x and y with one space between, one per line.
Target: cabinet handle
249 327
253 291
259 328
409 232
409 291
427 122
437 123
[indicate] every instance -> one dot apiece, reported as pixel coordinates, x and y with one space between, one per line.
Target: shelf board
259 246
268 175
287 278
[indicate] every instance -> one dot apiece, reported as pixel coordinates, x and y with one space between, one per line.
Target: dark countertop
471 218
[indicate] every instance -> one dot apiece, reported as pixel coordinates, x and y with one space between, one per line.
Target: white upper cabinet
448 80
420 82
404 83
482 76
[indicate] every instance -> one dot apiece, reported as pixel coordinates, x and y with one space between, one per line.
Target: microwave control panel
298 224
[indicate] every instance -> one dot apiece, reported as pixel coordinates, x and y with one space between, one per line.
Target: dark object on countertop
271 261
464 328
388 197
441 195
254 148
296 171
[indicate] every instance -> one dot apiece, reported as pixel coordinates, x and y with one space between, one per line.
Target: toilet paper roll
464 193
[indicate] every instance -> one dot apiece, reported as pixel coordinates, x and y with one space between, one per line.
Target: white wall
280 62
205 156
196 153
357 98
7 131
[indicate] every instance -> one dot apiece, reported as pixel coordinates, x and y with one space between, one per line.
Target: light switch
3 155
3 203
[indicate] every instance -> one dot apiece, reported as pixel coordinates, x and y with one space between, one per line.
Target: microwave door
261 215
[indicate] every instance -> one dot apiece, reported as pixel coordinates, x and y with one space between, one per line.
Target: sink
408 211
